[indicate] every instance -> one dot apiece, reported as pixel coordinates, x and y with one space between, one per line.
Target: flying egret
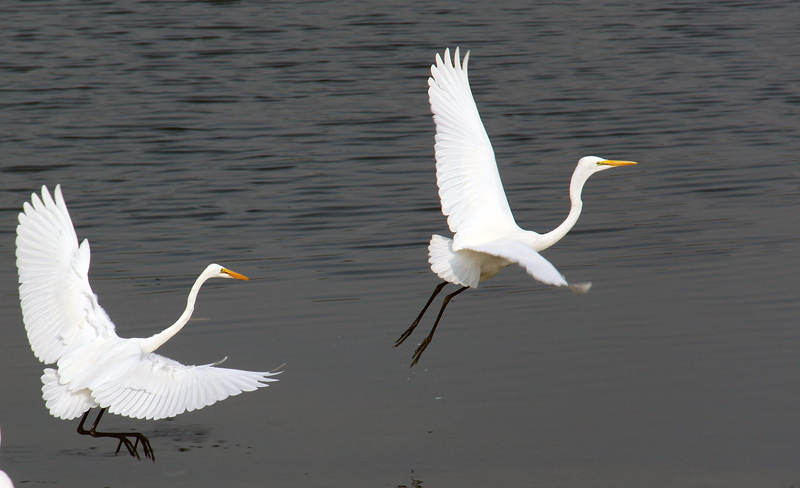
486 237
96 368
5 481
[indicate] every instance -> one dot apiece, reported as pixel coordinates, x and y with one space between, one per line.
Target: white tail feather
455 267
62 402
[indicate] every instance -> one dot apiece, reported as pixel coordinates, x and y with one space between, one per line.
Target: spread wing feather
150 386
518 252
470 189
59 309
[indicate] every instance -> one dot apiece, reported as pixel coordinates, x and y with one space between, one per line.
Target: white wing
518 252
469 184
151 386
59 309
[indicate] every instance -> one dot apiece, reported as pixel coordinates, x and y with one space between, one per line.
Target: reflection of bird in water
96 368
5 481
487 238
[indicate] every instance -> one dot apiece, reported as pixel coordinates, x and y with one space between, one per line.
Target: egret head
593 164
590 165
217 271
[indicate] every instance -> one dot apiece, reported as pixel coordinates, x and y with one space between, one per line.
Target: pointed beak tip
234 274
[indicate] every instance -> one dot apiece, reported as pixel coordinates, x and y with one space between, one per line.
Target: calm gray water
293 143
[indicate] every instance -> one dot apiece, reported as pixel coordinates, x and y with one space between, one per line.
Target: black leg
419 317
424 344
123 437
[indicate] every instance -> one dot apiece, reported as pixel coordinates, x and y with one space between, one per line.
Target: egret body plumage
94 367
486 238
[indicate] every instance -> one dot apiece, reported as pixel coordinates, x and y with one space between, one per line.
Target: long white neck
575 188
152 343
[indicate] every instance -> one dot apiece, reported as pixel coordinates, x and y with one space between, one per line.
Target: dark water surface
293 143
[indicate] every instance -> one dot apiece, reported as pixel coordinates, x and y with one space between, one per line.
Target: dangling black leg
424 344
123 437
419 317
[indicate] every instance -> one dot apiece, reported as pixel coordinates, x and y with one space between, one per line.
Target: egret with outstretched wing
486 237
94 367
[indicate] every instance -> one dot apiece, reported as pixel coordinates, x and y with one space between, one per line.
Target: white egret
486 237
96 368
5 481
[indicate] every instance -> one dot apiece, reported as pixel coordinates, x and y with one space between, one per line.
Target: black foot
419 317
424 344
123 437
132 447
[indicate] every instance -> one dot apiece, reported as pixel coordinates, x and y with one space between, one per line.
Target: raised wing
469 184
520 253
59 309
150 386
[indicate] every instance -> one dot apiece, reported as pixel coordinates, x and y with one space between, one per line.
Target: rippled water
293 143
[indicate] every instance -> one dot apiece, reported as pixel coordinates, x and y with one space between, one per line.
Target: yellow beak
234 274
611 162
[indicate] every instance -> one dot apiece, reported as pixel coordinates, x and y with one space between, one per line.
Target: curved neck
152 343
575 189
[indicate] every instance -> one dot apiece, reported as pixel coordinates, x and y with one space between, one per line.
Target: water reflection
415 482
